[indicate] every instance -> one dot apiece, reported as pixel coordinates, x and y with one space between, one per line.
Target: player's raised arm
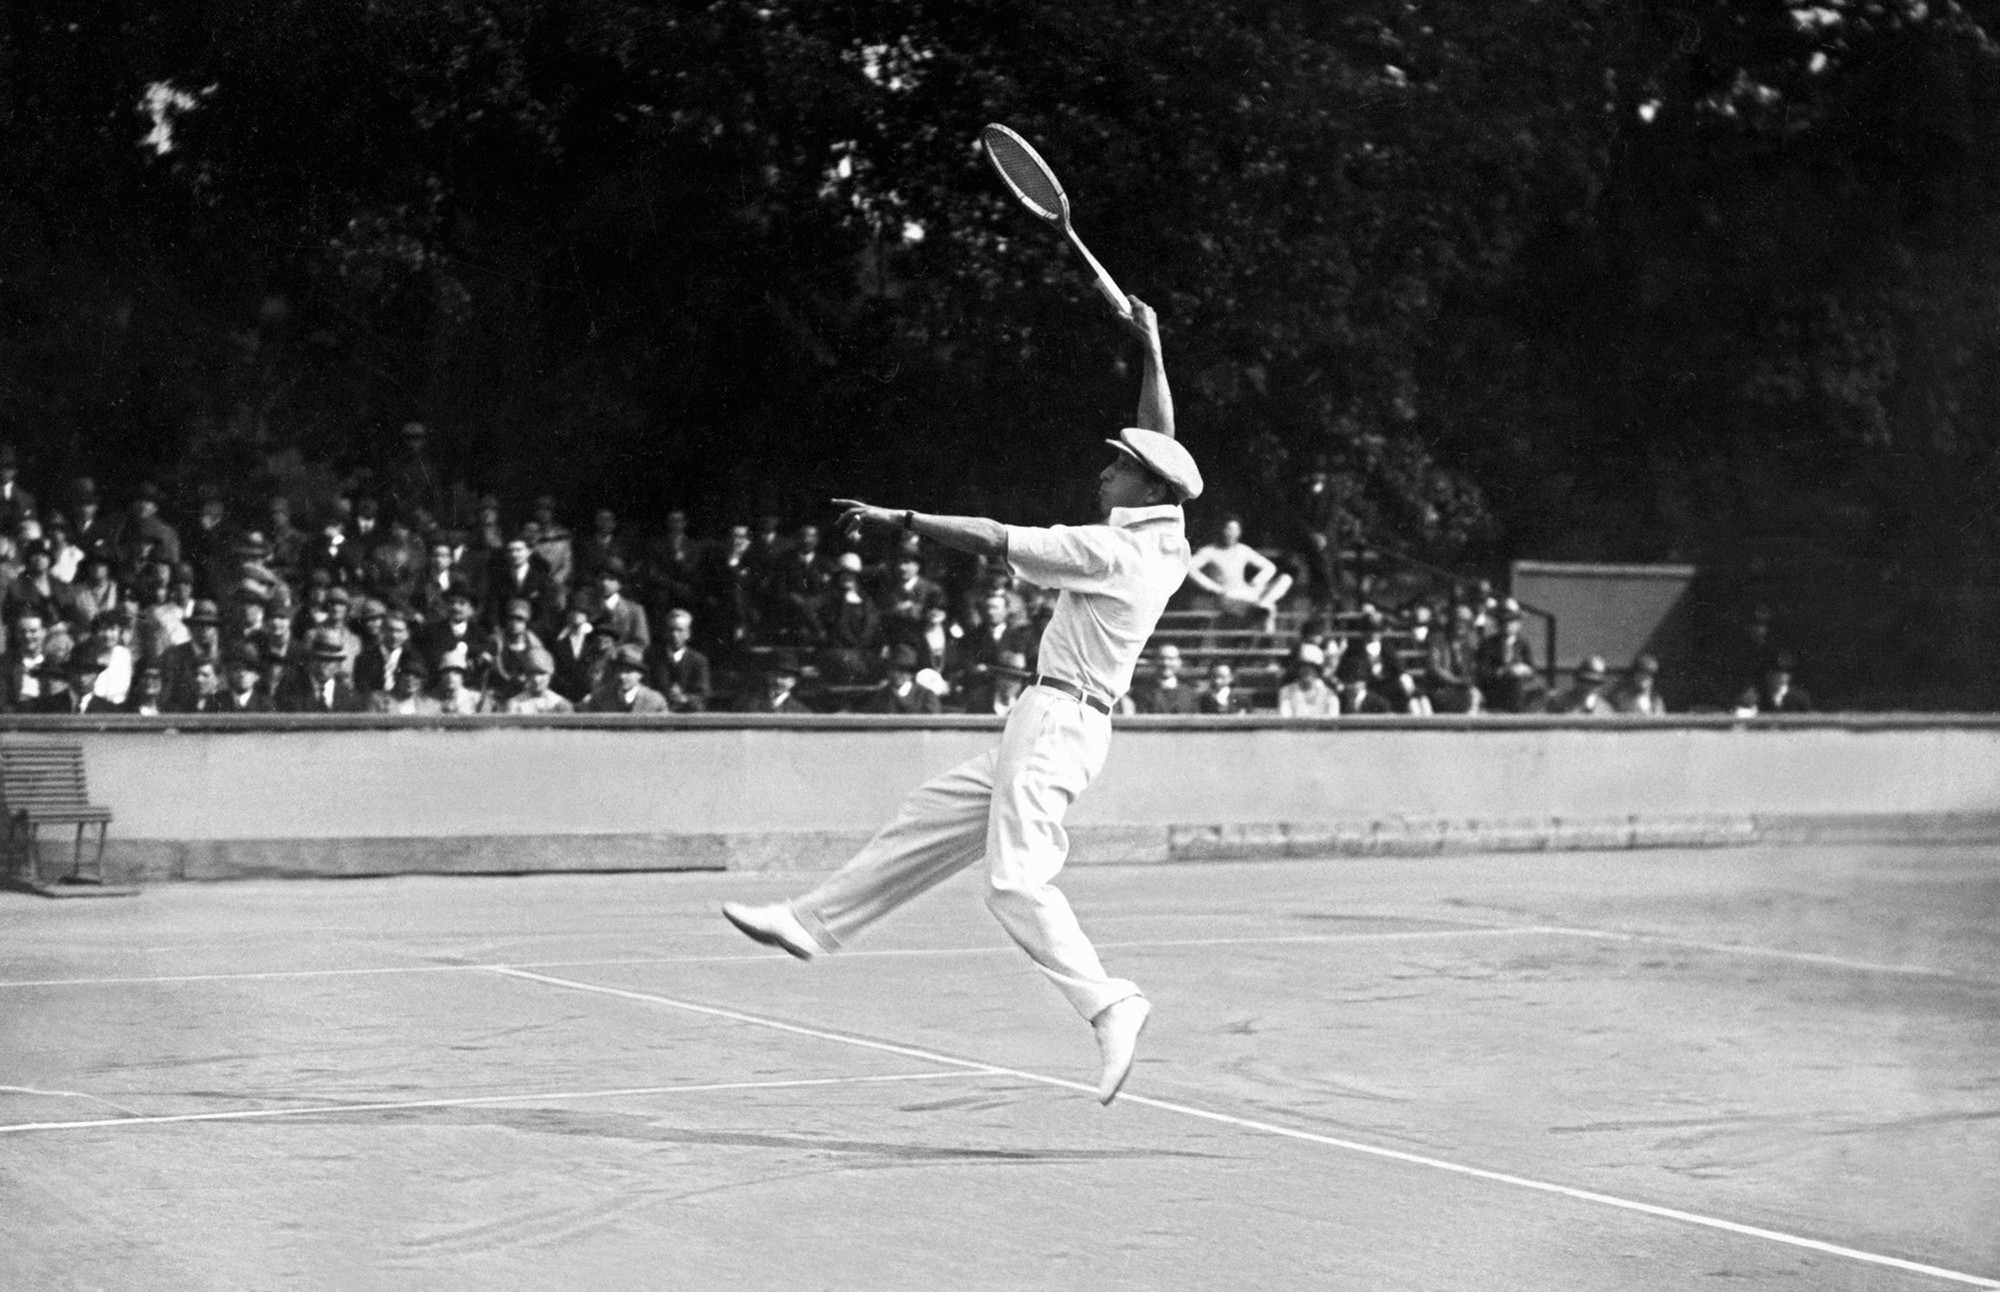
1156 400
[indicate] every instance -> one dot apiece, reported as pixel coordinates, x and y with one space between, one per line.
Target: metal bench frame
42 783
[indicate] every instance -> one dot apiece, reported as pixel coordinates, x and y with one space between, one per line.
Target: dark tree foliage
1504 276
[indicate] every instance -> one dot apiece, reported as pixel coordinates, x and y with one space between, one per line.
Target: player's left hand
855 514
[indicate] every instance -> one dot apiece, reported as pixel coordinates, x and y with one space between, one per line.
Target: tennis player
1007 805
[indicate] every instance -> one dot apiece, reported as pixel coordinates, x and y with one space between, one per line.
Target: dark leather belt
1075 692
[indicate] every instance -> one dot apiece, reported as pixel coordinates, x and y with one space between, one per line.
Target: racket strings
1030 178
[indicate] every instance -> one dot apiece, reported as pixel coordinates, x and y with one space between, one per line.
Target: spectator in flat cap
554 543
509 647
245 690
376 668
535 696
901 694
1585 696
1641 692
326 690
625 689
1307 695
407 693
608 604
15 502
682 674
142 535
1164 691
27 672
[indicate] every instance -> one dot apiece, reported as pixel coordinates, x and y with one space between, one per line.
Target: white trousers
1008 806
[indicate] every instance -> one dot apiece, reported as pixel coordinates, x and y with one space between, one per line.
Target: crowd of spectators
372 605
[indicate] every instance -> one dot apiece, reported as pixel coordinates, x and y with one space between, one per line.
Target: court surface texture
1774 1068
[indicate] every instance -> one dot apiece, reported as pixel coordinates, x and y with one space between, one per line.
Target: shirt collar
1133 517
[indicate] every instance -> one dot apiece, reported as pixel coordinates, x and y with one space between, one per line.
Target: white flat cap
1163 456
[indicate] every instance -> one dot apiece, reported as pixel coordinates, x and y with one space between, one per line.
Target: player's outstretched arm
1156 399
974 534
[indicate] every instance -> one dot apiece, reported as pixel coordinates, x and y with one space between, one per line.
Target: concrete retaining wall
221 798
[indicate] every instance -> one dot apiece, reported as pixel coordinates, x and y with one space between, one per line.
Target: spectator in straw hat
535 696
624 689
326 690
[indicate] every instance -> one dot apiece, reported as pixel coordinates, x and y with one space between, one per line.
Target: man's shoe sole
756 934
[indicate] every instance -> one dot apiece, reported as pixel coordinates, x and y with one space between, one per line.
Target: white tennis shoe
1118 1026
775 925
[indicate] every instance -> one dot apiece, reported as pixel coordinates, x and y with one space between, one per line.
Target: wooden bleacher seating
42 784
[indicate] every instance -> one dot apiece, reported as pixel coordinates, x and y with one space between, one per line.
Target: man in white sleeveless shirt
1008 804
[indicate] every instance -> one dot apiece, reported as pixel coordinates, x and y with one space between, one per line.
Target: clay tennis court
1736 1068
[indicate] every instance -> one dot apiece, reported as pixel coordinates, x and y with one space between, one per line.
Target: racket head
1024 172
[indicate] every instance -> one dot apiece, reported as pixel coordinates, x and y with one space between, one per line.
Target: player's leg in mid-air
940 829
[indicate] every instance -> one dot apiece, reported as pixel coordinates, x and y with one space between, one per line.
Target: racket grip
1106 285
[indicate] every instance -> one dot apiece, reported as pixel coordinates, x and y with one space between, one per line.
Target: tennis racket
1030 179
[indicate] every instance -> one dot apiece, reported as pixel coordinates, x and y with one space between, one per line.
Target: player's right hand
854 514
1145 321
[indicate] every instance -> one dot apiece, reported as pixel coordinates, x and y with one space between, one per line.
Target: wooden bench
42 783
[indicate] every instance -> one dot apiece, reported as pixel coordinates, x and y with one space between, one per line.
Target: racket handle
1106 285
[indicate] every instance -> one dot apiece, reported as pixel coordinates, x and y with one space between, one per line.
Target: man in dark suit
901 694
325 690
682 673
518 574
26 671
143 532
780 692
571 650
609 604
244 689
454 629
1778 694
982 648
1165 692
80 697
376 667
906 602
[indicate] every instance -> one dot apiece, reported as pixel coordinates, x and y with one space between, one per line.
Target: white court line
470 1101
1767 953
1287 1132
766 957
